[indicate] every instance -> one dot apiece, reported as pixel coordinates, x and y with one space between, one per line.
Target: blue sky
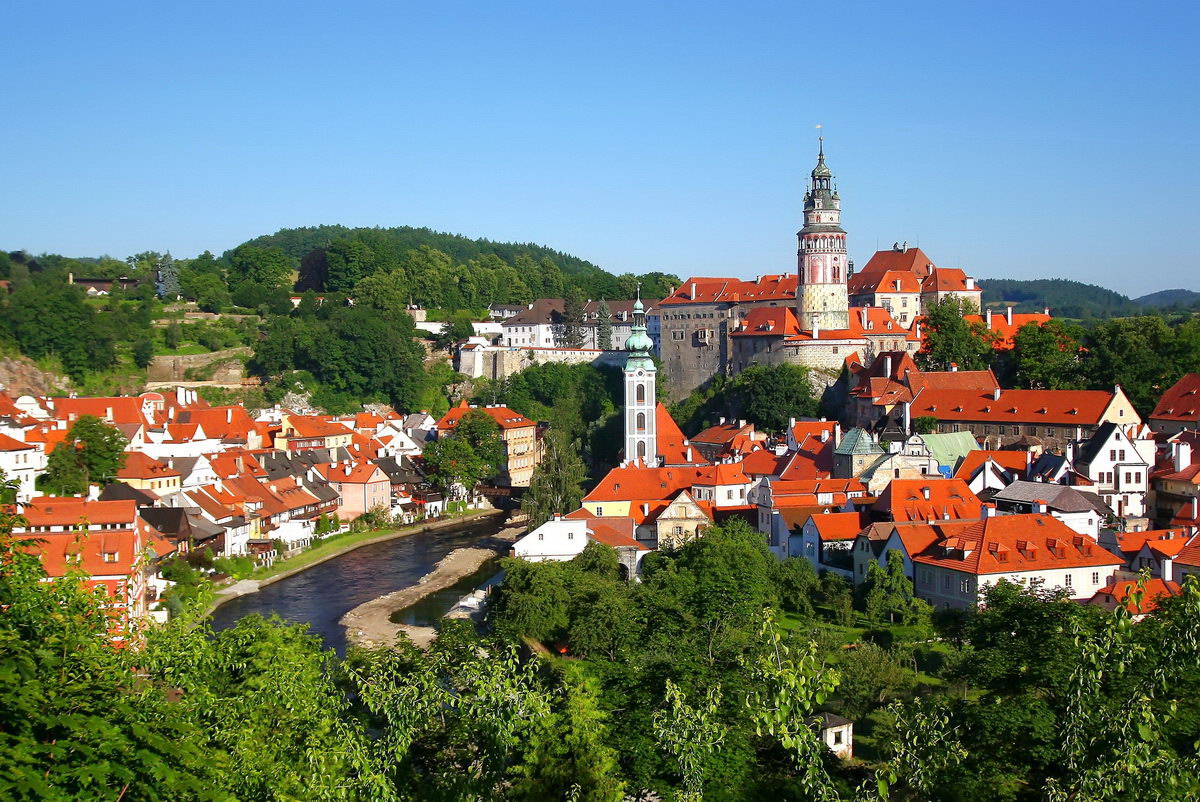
1012 139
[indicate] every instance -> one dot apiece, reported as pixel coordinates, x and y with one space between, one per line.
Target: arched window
641 393
641 448
641 421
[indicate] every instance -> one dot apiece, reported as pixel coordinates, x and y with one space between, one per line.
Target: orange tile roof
1181 401
1049 407
357 473
948 499
1008 544
911 260
314 426
763 462
1015 461
504 417
947 279
639 484
732 290
837 526
1190 554
62 551
1122 591
673 447
117 409
67 511
1004 329
883 281
9 444
140 466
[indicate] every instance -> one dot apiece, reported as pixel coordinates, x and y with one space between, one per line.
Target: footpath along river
321 595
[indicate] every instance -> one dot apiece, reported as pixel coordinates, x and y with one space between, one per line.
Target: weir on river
321 595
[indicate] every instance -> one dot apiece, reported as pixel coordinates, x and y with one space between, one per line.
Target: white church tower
641 420
821 301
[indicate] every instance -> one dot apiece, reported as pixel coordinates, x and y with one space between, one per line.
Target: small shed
836 733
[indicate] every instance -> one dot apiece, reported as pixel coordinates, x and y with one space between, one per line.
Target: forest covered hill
1076 299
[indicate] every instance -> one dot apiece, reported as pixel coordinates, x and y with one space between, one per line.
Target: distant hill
1165 298
1066 298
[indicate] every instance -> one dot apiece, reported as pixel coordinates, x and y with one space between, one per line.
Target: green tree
269 267
458 328
925 424
471 454
690 735
557 484
168 278
768 395
1046 356
604 327
871 676
92 452
573 310
886 594
143 352
949 339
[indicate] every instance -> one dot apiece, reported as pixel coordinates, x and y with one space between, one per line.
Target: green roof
857 441
949 449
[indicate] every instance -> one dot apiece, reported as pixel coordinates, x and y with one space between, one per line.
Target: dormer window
110 556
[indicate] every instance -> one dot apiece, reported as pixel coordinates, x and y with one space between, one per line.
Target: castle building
641 418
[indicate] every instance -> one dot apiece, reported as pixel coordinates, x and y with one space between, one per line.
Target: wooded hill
1075 299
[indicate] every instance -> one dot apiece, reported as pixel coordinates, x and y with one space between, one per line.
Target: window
541 535
1068 580
964 586
809 548
1121 454
641 422
678 530
677 335
570 535
110 556
1095 577
641 393
946 581
837 737
599 512
728 494
1112 454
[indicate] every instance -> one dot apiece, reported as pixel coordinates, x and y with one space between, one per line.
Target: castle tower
821 259
641 422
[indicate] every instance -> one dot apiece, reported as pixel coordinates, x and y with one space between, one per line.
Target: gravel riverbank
369 624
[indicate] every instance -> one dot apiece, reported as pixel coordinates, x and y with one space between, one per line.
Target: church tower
821 259
641 420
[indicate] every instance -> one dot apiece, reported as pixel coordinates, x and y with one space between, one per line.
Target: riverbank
335 548
370 624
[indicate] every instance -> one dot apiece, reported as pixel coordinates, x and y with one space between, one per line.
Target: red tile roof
1014 461
65 511
638 484
1049 407
1010 544
928 500
1122 591
313 426
1181 401
911 260
62 551
9 444
504 417
1004 329
117 409
883 281
673 447
140 466
732 290
837 526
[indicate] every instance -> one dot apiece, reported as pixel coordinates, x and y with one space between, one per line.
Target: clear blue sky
1015 139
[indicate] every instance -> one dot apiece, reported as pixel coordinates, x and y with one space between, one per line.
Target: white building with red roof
22 463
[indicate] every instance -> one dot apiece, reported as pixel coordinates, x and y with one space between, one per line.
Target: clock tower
821 301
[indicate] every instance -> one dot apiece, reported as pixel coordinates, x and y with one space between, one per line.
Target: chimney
645 508
1039 506
108 413
970 283
989 510
688 454
824 435
1181 452
954 367
904 247
1008 314
741 424
722 421
987 318
693 292
229 415
1046 311
887 365
791 424
996 394
862 315
925 492
816 330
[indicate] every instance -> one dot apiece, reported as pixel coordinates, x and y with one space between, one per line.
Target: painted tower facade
641 420
822 262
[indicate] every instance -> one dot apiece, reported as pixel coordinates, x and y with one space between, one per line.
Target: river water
321 595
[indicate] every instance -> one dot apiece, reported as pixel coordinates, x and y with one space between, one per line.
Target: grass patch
184 349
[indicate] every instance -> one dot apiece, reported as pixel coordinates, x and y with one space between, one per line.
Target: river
321 595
